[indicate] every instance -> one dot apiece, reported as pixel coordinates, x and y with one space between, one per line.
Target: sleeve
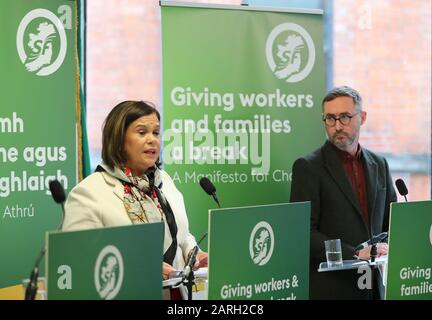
188 245
305 186
82 209
390 197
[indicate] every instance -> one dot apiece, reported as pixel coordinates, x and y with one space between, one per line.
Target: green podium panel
259 252
410 251
107 263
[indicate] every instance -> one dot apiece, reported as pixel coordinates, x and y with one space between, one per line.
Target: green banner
106 263
409 267
37 125
242 92
259 252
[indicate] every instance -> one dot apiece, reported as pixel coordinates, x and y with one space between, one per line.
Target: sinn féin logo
41 42
261 243
290 52
109 271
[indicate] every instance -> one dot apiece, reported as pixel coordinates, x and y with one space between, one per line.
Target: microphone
402 189
57 191
58 195
375 239
209 188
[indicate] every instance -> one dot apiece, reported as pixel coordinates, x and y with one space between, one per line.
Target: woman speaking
128 187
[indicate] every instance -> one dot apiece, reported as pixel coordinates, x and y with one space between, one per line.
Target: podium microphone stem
373 253
190 284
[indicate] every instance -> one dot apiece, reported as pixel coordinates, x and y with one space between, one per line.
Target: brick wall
123 58
383 49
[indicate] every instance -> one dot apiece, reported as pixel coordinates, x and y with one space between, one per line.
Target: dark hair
344 91
115 126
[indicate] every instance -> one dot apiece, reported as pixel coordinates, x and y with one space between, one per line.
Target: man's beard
343 144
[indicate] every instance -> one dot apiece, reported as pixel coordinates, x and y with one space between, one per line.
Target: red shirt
355 172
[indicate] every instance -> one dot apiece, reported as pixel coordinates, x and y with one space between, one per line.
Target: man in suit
350 189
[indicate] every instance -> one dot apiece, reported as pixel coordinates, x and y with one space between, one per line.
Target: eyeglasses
344 118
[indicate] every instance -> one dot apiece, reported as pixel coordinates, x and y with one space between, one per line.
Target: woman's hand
166 270
201 260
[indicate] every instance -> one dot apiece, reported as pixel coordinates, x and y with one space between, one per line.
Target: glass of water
333 252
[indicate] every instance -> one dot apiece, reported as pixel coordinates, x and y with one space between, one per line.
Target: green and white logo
109 270
261 243
290 52
41 42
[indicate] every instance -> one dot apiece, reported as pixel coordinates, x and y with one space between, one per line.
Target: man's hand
382 249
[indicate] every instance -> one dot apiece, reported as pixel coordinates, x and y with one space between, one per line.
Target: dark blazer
336 214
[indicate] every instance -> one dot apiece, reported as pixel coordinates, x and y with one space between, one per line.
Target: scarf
144 201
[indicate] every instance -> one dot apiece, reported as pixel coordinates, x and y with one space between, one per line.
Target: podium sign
410 251
107 263
259 252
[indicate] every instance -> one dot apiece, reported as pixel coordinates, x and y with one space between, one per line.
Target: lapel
117 186
335 168
371 175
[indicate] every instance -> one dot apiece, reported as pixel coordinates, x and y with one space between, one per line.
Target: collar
344 155
153 174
